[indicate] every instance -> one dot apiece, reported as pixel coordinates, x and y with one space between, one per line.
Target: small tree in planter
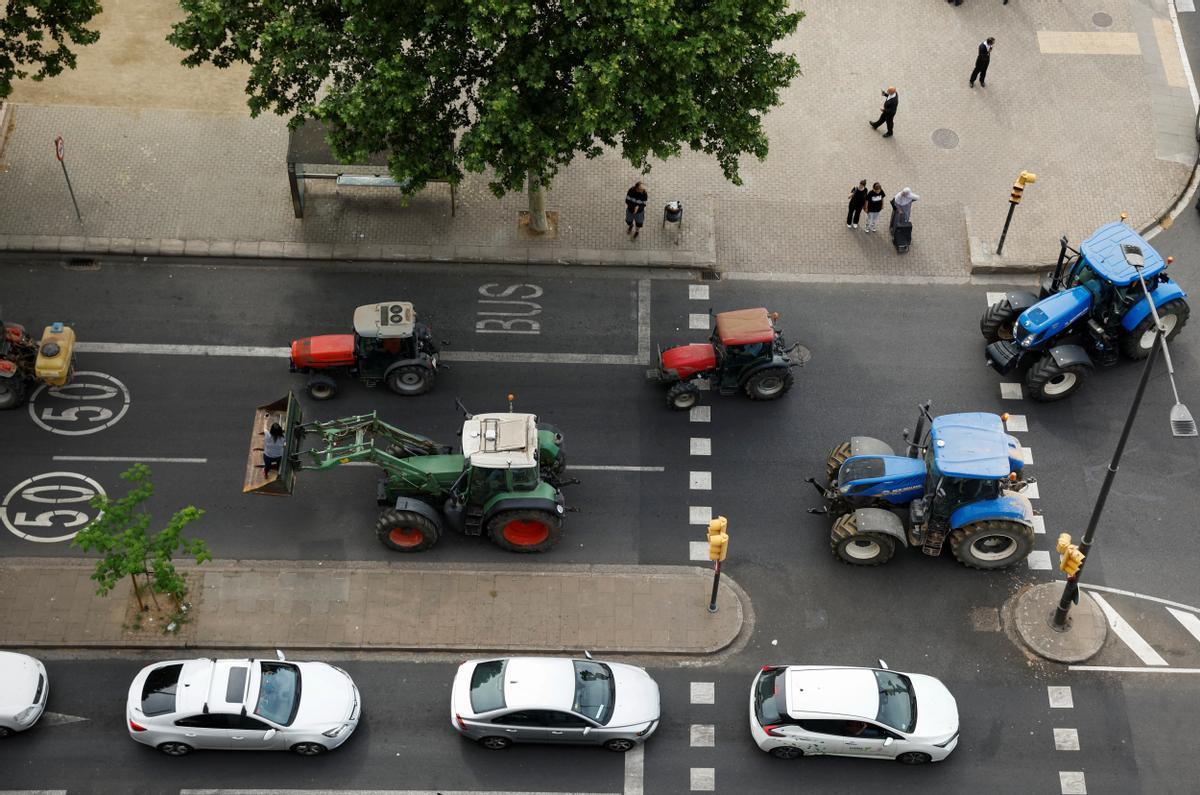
120 534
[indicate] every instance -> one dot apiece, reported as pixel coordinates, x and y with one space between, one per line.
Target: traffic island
1084 635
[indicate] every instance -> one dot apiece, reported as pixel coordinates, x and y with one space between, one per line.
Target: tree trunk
537 206
136 593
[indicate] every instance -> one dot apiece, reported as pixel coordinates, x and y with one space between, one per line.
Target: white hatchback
252 705
24 688
799 710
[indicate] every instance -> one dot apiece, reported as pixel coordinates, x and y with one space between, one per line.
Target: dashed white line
1010 390
1072 782
1137 595
703 735
1136 643
699 514
697 550
128 458
1039 524
700 446
605 468
1189 620
1066 739
698 292
696 321
1060 696
700 481
703 692
1038 560
700 414
1032 491
995 298
1016 423
635 770
162 349
703 779
643 355
1026 455
1132 669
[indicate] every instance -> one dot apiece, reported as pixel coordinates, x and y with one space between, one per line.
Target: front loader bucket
285 411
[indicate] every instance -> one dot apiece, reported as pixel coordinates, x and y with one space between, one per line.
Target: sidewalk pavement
165 160
368 605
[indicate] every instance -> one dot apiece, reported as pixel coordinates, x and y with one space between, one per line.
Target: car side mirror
887 741
587 730
883 665
279 654
269 733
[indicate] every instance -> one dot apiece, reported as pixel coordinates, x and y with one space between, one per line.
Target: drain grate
81 264
944 138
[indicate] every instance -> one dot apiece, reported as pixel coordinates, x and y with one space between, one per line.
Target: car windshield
897 704
278 692
594 690
158 694
769 701
487 686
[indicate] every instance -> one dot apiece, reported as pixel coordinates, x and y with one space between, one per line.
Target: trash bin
673 213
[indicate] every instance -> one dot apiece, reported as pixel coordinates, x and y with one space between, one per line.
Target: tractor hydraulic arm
351 439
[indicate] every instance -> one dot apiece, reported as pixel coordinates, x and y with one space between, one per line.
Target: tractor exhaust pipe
916 442
1056 280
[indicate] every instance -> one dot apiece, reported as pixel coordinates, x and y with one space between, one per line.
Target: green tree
120 534
517 86
34 33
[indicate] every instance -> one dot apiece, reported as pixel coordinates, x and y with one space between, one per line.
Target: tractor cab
741 340
384 330
968 457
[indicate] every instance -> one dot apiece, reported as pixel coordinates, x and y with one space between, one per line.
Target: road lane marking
606 468
700 414
703 779
1032 491
1038 560
1136 643
1189 620
131 459
1137 595
162 349
704 692
326 791
262 352
1060 696
696 321
995 298
1071 782
1039 524
1026 455
58 719
1132 669
697 550
1016 423
699 514
700 481
1066 739
703 735
643 340
700 446
1010 390
635 770
698 292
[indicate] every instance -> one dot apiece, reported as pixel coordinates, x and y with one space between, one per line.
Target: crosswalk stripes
1136 643
1190 621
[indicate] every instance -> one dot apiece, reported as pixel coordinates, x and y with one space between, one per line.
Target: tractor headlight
1025 343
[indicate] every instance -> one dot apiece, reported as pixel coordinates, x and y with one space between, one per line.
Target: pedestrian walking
635 208
891 100
274 447
874 207
903 206
858 199
981 62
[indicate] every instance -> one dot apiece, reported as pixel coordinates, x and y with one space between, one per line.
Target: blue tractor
1092 308
959 480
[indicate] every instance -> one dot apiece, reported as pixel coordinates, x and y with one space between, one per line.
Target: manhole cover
945 139
1101 20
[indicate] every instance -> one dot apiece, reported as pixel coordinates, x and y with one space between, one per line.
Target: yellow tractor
25 361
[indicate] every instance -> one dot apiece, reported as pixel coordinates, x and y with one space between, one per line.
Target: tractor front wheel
833 462
1138 343
411 379
12 392
321 386
528 530
683 395
998 321
406 531
769 384
994 544
1047 381
860 549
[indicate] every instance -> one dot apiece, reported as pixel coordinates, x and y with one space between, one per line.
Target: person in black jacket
635 208
858 198
982 60
888 112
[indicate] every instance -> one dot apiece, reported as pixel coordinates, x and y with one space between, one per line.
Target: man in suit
982 60
888 112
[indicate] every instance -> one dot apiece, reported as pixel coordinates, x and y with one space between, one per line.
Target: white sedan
253 705
799 710
24 688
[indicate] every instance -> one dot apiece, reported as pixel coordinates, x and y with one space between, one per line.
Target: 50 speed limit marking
92 402
42 507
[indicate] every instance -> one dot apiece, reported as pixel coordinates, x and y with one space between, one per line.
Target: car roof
539 682
832 691
972 446
745 326
1103 252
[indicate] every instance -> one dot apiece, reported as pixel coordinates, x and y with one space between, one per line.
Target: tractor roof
384 320
501 441
745 326
972 446
1103 252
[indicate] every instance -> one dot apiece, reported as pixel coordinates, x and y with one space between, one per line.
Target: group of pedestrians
871 201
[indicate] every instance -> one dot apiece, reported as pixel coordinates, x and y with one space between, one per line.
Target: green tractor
506 482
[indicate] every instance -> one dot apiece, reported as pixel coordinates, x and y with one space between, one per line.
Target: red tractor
745 352
388 345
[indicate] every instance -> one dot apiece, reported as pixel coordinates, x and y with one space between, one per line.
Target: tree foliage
34 34
120 533
517 86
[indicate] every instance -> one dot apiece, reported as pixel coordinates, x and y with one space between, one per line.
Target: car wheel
914 758
175 749
309 749
495 743
5 731
786 752
619 744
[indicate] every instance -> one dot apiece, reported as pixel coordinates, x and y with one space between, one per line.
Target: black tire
913 758
859 549
683 395
993 544
769 384
1138 342
5 731
12 392
833 462
175 749
998 322
1047 382
495 743
309 749
620 745
406 531
525 530
321 386
410 379
786 752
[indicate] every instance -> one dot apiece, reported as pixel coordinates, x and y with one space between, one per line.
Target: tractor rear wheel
12 392
527 530
859 549
1138 343
833 462
769 384
411 379
406 531
993 544
998 321
321 386
1047 381
683 395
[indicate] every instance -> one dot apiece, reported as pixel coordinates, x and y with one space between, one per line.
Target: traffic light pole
1071 591
1011 207
712 603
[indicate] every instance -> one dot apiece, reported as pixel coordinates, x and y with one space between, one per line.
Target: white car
24 688
554 700
799 710
254 705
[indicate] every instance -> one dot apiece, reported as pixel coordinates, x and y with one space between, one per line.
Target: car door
870 740
824 737
524 726
248 733
567 727
205 730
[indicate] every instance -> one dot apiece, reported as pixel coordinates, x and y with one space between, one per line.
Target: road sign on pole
60 151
